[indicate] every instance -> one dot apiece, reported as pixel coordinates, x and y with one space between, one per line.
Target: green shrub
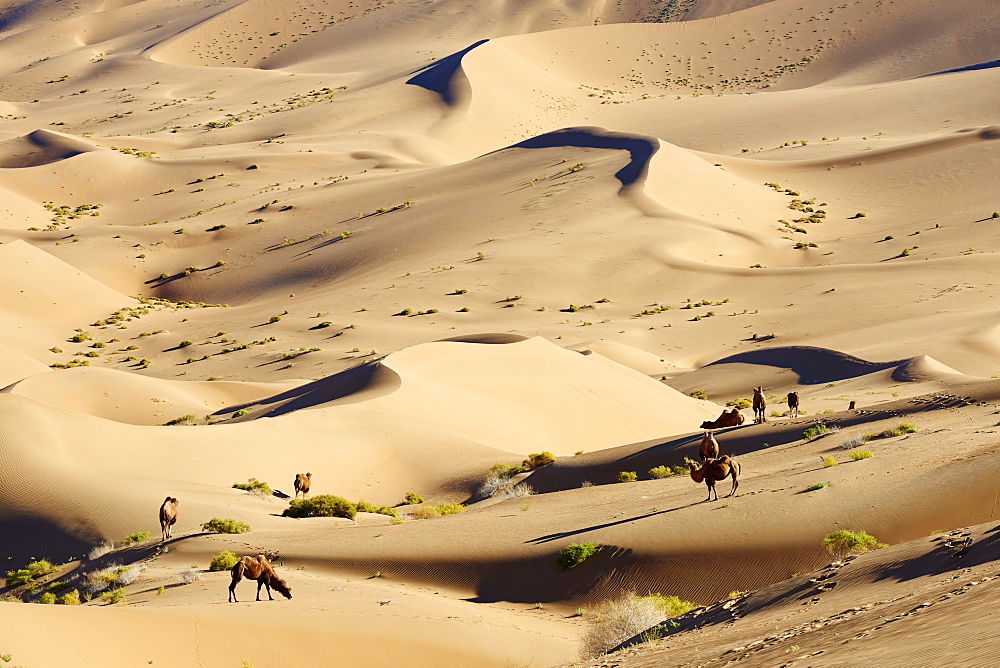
844 543
627 476
138 537
829 461
670 606
575 554
274 318
324 505
32 571
818 430
860 454
741 402
449 508
680 470
537 459
411 498
660 472
815 486
185 343
48 598
505 470
225 526
113 596
365 507
254 486
70 598
240 413
223 561
424 513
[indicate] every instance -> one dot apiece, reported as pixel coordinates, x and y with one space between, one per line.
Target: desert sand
394 244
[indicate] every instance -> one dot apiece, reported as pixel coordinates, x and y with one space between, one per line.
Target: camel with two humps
709 447
302 483
168 517
793 404
729 418
759 405
258 569
713 470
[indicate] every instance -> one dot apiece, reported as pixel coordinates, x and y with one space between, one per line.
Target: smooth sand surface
393 244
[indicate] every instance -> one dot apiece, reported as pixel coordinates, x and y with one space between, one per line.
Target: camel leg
734 473
711 488
237 576
267 585
260 583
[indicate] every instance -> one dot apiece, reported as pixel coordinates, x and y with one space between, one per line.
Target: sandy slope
395 243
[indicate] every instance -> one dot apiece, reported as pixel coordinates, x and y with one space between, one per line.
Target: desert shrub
99 551
240 413
497 478
860 454
815 486
223 561
324 505
898 430
113 596
615 621
48 598
829 461
537 459
844 543
741 402
365 507
424 513
670 606
70 598
855 442
449 508
188 575
138 537
520 489
32 571
225 526
185 343
411 498
660 472
575 554
817 430
254 486
627 476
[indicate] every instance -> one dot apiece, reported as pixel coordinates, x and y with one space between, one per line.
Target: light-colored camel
728 418
759 405
302 483
793 404
709 448
258 569
168 517
714 470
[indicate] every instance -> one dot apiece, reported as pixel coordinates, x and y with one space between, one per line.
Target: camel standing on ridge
714 470
302 483
258 569
793 404
709 448
729 418
168 517
759 405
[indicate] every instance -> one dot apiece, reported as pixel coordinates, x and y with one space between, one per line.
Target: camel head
697 474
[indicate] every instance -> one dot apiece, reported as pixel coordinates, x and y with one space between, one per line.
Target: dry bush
99 551
615 621
188 575
520 489
424 513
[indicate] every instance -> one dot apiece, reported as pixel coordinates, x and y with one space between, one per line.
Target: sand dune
395 244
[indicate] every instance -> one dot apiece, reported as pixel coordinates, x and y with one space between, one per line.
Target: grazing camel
168 517
731 418
709 448
302 482
793 404
759 404
714 470
258 569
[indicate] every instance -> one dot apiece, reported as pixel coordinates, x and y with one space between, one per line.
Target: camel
731 418
709 448
793 404
168 517
759 405
851 407
714 470
258 569
302 482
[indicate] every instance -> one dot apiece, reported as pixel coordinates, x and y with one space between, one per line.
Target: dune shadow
813 365
438 76
987 65
568 534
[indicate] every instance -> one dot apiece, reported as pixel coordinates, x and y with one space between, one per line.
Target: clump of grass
365 507
860 454
449 508
33 571
188 575
660 472
518 490
48 598
627 476
223 561
817 430
324 505
254 486
113 596
899 430
844 543
537 459
424 513
829 461
411 498
69 598
617 620
741 402
99 551
138 537
225 526
575 554
815 486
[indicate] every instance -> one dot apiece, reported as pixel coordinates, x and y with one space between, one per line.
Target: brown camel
302 483
258 569
714 470
759 405
731 418
851 407
168 517
793 404
709 448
